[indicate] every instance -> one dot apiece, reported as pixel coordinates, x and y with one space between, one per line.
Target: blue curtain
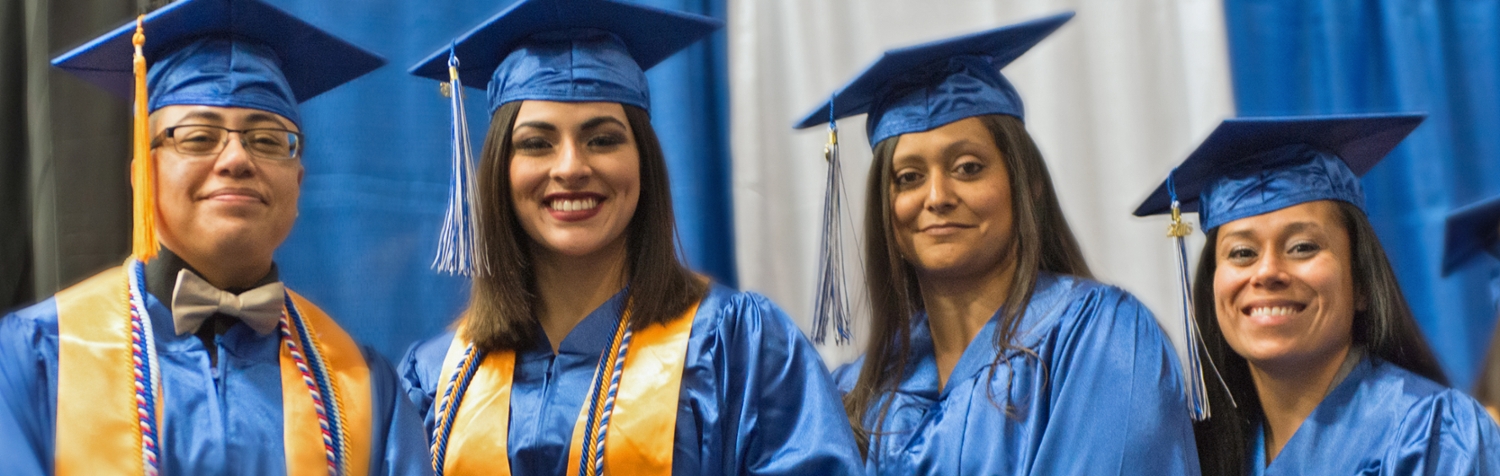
377 167
1441 57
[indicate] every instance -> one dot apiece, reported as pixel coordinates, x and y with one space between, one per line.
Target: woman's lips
571 207
943 229
1272 313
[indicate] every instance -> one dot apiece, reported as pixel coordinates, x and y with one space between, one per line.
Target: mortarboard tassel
457 253
832 302
142 169
1197 389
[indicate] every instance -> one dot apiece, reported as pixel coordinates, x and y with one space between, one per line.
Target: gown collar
922 378
1356 367
594 333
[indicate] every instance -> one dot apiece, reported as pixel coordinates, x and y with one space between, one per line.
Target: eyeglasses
206 140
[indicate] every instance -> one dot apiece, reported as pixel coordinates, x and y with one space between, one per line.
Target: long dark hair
503 302
1385 328
1043 242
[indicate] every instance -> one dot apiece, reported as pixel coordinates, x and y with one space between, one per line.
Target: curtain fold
1435 56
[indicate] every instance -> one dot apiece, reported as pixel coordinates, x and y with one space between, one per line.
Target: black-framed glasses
206 140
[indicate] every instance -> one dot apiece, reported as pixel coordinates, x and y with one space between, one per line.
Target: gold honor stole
642 426
98 428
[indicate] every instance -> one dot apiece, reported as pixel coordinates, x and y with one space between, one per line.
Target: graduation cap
568 50
231 53
1471 229
922 87
1256 165
547 50
226 53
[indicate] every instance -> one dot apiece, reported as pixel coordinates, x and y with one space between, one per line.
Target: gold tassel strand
142 168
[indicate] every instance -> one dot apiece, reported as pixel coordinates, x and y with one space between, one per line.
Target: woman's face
575 175
1284 286
951 200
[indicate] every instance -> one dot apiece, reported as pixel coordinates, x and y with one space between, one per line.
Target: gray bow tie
194 300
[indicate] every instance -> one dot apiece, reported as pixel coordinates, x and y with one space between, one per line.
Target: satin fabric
1102 394
217 420
755 396
1268 183
1385 420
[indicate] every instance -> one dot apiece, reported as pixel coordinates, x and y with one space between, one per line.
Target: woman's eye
533 144
906 178
969 168
1240 254
1304 249
607 140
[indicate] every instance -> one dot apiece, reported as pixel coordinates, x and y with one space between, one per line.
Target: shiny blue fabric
1292 57
755 398
224 420
222 71
1319 176
1385 420
581 65
952 89
1102 394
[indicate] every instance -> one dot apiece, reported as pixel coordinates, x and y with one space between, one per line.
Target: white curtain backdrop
1114 99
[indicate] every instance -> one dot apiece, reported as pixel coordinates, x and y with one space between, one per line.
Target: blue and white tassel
1197 389
457 253
831 304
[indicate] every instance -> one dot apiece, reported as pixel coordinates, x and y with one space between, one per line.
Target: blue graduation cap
568 50
1471 229
919 88
231 53
1255 165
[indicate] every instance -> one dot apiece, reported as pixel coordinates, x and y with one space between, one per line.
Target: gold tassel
142 168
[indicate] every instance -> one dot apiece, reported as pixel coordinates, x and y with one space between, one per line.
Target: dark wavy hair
1385 328
1043 242
504 300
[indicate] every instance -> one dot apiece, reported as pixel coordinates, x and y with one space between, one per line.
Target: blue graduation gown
224 420
1384 420
755 399
1101 395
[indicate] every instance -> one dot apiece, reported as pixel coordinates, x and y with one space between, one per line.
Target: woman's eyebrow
599 121
546 126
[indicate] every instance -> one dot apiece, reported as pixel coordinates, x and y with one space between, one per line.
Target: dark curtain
1441 57
64 183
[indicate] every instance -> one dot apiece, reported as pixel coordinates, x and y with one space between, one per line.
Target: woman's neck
570 287
1289 393
957 309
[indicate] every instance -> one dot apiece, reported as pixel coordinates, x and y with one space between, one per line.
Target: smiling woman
581 305
993 351
1324 368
